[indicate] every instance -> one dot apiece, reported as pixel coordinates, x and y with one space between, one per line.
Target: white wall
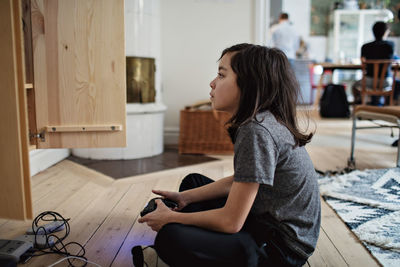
41 159
299 14
193 35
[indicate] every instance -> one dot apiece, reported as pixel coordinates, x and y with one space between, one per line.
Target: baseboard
41 159
171 135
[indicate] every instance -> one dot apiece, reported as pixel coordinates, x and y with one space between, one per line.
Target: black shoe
396 143
137 256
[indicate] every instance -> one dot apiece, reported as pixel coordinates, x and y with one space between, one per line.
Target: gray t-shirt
288 192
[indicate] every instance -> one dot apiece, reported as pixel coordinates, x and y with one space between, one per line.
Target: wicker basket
203 132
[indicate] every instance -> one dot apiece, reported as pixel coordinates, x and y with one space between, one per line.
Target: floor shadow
116 169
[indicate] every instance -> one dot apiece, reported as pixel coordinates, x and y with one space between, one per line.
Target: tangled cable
58 247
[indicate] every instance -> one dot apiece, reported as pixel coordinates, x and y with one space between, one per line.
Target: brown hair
284 16
267 82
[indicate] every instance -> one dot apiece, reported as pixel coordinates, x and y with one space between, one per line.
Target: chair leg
351 162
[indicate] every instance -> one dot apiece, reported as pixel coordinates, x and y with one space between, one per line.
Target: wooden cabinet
70 54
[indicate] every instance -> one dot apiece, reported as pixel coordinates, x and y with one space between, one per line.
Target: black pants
181 245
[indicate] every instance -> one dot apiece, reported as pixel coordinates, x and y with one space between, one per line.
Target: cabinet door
79 73
15 191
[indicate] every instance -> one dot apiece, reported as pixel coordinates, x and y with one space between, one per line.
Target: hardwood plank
72 185
56 190
64 167
66 172
3 221
117 225
335 158
141 234
349 247
330 147
325 253
88 220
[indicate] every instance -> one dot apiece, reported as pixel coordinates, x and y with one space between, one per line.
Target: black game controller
151 206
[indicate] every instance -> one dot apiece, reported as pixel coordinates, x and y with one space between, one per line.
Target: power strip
13 249
41 241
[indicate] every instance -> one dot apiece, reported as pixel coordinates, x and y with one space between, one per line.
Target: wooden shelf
32 147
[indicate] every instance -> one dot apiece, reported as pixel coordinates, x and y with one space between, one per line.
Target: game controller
151 206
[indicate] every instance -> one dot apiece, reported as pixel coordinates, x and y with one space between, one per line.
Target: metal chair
375 87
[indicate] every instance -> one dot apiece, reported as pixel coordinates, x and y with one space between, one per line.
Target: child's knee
191 176
193 180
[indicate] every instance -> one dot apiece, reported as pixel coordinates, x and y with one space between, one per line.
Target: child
268 212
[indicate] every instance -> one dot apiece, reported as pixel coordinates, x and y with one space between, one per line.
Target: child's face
225 93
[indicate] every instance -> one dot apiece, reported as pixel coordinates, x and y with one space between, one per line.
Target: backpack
333 103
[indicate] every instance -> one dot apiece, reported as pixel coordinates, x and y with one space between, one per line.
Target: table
327 66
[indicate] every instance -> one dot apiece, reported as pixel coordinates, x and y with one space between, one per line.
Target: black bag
333 103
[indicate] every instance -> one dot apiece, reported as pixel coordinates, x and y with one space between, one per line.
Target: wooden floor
103 211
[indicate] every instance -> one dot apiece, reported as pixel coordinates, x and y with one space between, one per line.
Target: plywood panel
79 70
15 198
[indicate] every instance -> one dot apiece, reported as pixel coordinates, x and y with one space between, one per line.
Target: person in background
378 49
285 37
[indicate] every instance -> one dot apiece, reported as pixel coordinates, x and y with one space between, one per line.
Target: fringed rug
369 203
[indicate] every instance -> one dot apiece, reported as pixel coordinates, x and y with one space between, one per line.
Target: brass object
140 80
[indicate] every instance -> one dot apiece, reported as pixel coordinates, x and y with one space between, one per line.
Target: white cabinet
350 29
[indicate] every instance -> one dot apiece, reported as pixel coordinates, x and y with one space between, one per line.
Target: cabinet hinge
40 136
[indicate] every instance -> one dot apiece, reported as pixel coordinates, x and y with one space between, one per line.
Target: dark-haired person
268 212
378 49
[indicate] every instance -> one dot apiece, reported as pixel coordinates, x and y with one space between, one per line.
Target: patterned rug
369 203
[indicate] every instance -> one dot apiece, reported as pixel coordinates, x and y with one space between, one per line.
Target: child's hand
174 196
158 218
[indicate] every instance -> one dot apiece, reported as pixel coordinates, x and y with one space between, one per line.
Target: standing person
285 37
268 212
378 49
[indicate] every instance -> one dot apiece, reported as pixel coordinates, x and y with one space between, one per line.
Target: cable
73 257
58 247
